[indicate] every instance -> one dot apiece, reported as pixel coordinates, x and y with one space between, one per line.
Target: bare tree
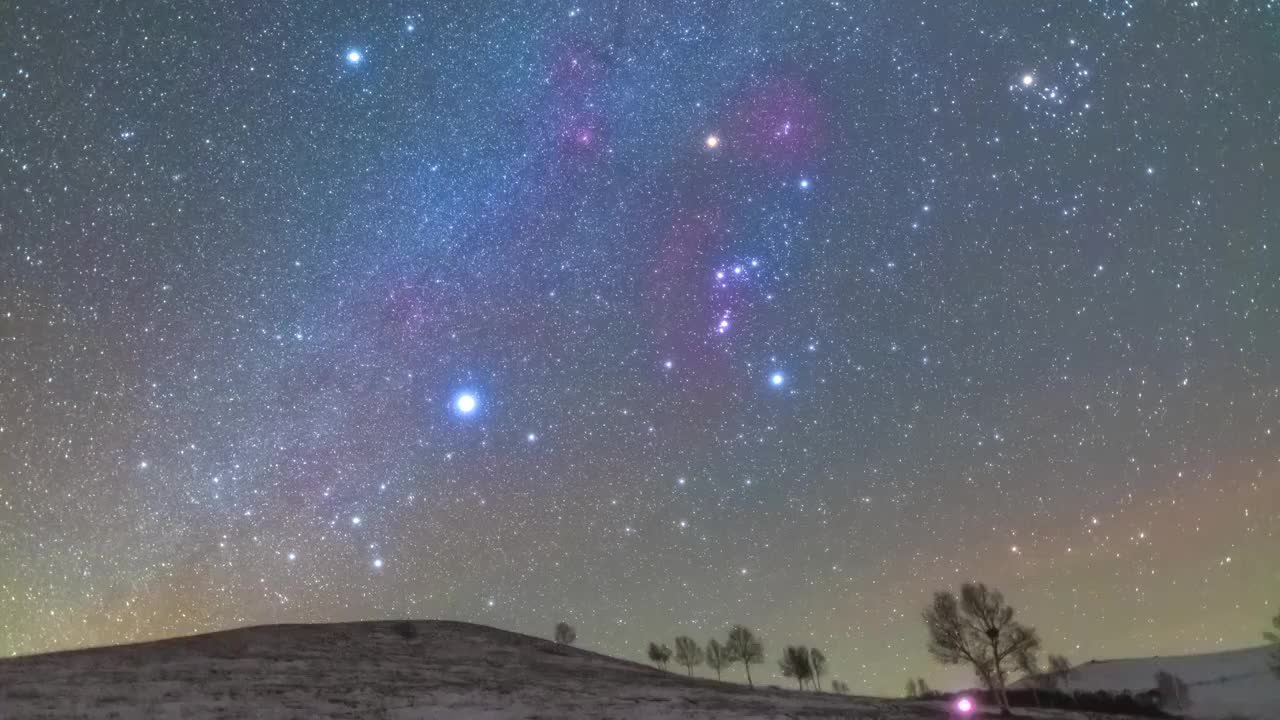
1274 639
818 662
660 655
922 688
717 656
1174 694
795 663
688 653
743 647
912 692
565 634
1029 665
840 686
978 628
1060 670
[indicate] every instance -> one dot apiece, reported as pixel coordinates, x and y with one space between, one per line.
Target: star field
651 317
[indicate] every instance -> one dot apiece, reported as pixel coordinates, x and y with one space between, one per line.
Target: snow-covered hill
378 670
1235 683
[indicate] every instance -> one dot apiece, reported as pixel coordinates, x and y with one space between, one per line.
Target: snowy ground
371 671
1235 683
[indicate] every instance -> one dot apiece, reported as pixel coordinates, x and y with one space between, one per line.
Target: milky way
651 317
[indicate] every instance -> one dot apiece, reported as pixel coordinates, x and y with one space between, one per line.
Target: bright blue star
804 183
354 57
466 403
777 379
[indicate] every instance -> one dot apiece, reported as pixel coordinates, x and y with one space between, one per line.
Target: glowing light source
713 142
964 705
804 183
1028 80
354 57
777 379
466 403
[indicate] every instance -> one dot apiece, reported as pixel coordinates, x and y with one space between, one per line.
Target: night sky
649 316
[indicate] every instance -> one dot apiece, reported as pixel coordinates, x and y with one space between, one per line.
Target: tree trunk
690 670
1003 695
747 665
717 674
997 675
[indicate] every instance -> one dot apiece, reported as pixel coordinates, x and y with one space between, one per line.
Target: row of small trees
804 664
917 688
976 628
742 646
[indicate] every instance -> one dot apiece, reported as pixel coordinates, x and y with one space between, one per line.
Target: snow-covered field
1235 683
372 670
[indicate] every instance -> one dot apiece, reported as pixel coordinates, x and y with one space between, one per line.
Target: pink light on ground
964 706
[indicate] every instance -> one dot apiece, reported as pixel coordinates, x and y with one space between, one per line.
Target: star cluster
651 317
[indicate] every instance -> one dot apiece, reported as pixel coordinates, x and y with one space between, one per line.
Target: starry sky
649 316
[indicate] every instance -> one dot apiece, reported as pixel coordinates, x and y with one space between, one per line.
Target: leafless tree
743 647
795 663
660 655
565 634
818 662
1060 670
688 653
922 688
1274 639
717 656
1029 665
912 692
978 628
1174 694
